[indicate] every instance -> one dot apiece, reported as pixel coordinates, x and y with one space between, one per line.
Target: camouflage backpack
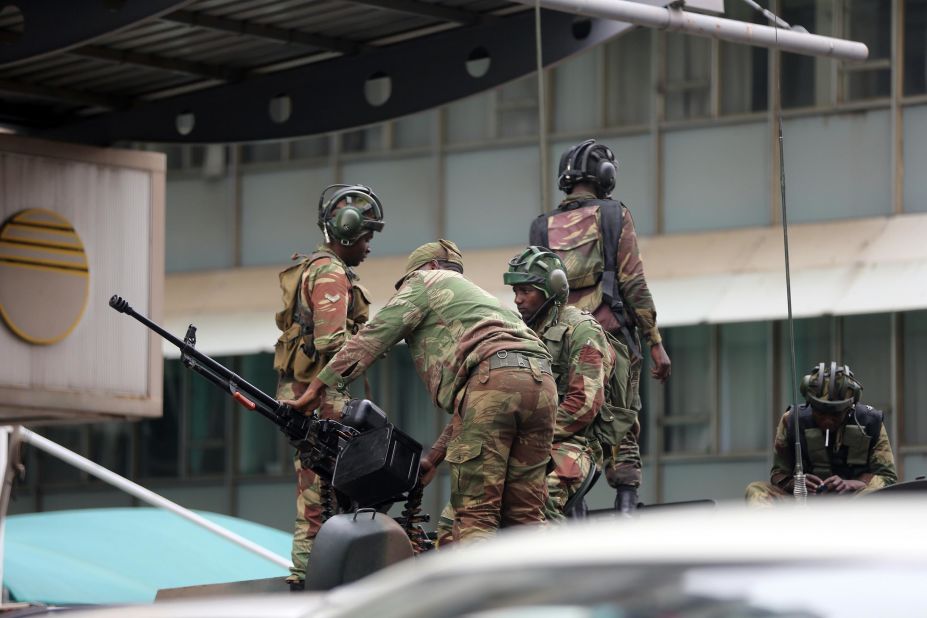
585 235
294 352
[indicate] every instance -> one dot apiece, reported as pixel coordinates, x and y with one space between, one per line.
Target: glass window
577 91
159 439
517 108
867 345
414 131
110 446
688 76
310 147
914 339
744 68
260 443
690 391
813 345
629 87
468 119
261 152
806 80
363 140
744 374
52 469
869 21
206 411
915 47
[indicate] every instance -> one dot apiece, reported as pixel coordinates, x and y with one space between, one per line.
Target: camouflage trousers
623 462
308 485
572 464
761 493
499 448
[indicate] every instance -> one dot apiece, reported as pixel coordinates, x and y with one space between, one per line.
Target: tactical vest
585 234
613 420
294 353
860 434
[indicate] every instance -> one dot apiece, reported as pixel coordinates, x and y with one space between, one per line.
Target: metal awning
239 70
838 268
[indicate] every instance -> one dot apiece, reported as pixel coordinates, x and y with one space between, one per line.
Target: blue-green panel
838 167
716 178
915 158
279 213
199 224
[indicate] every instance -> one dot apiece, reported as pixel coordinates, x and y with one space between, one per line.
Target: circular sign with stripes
44 277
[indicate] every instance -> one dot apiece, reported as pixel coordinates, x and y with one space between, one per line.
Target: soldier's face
528 299
357 253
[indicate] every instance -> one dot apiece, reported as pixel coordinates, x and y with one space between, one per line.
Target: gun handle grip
244 400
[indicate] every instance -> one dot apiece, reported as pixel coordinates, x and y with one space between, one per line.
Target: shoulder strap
610 219
538 234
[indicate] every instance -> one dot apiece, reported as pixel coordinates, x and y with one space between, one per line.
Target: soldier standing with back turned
323 306
594 236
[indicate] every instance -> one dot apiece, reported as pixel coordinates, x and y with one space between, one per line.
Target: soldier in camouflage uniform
323 306
482 365
844 445
595 237
583 362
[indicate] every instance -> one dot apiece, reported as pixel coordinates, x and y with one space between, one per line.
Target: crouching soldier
844 445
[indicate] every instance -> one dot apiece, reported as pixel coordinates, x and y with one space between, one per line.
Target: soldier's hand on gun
310 400
426 471
835 484
661 362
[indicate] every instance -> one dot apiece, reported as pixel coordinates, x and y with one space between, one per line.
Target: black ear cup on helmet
558 284
351 221
588 162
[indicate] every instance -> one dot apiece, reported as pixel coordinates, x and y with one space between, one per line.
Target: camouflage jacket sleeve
881 464
585 391
327 292
400 316
631 281
783 467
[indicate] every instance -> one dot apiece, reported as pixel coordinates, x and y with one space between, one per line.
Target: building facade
693 123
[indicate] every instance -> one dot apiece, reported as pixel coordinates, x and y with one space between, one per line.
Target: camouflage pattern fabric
879 470
583 362
444 529
574 229
623 463
498 442
498 451
326 296
450 325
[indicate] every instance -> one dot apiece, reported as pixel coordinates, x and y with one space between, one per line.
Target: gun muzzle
119 304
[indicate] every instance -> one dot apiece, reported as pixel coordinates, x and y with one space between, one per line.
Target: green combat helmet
347 212
541 268
831 388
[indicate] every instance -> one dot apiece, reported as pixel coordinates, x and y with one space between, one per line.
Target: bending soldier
844 445
594 236
482 365
323 306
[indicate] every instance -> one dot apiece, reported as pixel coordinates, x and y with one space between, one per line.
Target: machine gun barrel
320 440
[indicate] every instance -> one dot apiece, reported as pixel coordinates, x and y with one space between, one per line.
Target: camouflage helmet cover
541 268
348 212
831 388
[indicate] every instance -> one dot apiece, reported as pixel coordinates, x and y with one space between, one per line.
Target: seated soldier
844 445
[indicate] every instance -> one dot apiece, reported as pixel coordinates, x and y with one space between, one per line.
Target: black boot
297 586
626 500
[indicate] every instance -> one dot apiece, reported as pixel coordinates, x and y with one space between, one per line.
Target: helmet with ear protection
348 212
831 388
588 162
542 268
